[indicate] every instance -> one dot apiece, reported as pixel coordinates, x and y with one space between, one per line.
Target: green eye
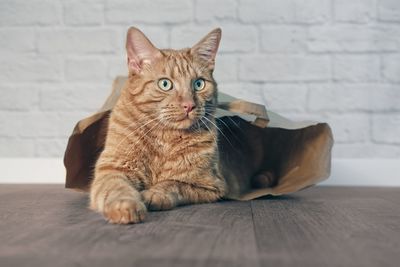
199 84
165 84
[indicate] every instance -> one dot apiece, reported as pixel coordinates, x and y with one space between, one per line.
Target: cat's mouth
185 121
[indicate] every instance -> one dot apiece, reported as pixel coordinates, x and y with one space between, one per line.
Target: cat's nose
188 106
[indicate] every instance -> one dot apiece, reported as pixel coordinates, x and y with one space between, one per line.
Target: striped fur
157 156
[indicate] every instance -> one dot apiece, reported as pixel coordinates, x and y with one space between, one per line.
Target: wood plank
42 225
49 225
330 226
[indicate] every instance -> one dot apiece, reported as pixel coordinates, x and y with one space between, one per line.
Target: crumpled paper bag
252 139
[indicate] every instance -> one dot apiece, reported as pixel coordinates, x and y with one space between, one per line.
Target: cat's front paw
158 200
124 211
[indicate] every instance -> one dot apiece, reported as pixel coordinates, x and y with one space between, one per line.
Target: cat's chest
175 156
179 147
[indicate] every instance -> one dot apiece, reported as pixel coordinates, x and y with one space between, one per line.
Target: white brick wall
331 60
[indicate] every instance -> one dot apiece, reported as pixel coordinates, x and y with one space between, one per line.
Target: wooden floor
48 225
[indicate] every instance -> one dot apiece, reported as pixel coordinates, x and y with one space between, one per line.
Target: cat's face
177 89
174 87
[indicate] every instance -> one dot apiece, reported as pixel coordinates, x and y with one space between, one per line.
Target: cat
161 147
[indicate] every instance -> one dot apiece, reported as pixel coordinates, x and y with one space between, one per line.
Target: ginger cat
161 147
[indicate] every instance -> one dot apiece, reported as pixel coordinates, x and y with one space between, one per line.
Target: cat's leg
113 195
168 194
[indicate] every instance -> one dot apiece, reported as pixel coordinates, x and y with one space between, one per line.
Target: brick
225 68
39 124
356 68
284 11
389 10
365 150
16 147
255 11
283 39
68 120
284 68
285 97
85 69
209 10
246 91
152 12
338 97
350 128
17 97
30 68
311 11
17 41
116 67
29 124
353 46
351 38
231 41
384 97
50 147
73 97
391 68
306 117
353 97
386 128
391 29
355 11
77 41
158 35
234 38
10 123
29 13
83 12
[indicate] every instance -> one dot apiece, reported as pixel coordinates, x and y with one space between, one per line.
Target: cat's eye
165 84
199 84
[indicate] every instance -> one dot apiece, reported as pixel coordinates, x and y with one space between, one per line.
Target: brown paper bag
252 140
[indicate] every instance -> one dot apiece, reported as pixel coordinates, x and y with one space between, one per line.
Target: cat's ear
139 50
207 48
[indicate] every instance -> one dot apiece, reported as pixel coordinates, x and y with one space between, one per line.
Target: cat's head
175 87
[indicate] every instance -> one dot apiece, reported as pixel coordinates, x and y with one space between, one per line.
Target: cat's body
161 147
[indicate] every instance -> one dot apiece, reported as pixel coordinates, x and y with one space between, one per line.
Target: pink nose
188 106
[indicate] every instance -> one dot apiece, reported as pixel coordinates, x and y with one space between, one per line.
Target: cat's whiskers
227 139
197 128
143 149
235 124
134 146
137 121
157 126
147 132
137 129
227 126
134 131
230 118
211 132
